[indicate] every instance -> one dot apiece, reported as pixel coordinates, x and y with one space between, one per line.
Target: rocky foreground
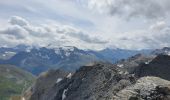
137 78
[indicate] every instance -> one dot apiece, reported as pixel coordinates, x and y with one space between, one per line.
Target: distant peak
165 51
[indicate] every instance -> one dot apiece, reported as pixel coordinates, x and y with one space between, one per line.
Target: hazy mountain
13 81
8 52
114 55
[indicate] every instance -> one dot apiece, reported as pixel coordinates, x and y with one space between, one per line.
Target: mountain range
68 58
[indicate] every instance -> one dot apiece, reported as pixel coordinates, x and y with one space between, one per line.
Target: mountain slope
13 81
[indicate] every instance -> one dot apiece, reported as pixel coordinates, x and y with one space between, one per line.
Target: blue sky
87 24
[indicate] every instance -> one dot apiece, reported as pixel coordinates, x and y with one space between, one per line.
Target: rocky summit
147 80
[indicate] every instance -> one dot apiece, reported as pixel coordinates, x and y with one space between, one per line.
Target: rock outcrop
146 88
44 82
159 67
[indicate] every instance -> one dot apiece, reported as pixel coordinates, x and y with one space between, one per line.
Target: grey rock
146 88
98 82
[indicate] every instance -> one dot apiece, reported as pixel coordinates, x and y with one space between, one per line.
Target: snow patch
147 62
59 80
69 75
121 72
167 52
9 52
57 51
64 94
64 48
67 54
28 50
120 65
23 61
68 48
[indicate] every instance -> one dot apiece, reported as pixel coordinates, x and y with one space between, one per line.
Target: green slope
13 81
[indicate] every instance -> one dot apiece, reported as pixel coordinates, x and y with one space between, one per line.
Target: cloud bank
155 36
131 8
90 24
20 31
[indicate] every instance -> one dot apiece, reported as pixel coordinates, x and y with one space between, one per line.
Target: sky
86 24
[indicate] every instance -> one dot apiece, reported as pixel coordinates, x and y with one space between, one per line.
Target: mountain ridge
37 60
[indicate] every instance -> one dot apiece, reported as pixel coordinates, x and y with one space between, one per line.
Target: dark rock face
159 67
132 63
44 82
97 82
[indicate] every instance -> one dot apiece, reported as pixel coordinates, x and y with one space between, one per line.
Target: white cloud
16 20
156 36
21 31
158 26
75 33
15 31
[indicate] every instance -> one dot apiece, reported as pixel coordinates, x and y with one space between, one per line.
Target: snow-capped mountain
69 58
38 60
